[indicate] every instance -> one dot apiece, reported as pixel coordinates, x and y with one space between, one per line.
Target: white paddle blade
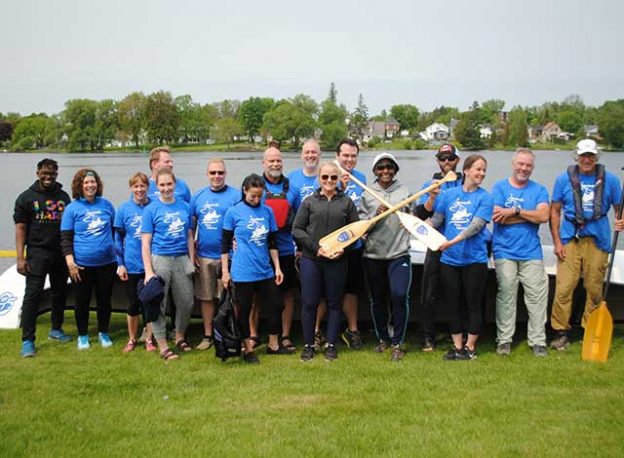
421 230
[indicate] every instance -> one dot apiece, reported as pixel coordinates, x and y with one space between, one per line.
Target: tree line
145 120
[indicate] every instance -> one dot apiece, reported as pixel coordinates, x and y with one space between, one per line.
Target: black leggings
269 300
102 277
463 291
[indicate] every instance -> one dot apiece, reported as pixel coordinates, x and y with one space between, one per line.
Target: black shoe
281 350
308 353
452 355
381 346
467 354
331 354
428 344
250 358
353 339
560 342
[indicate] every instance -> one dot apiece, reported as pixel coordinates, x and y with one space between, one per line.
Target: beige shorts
207 285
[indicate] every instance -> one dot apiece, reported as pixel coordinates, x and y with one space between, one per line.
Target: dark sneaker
397 353
382 346
28 349
250 358
59 336
281 350
560 342
428 344
540 351
319 341
352 339
331 354
504 349
308 353
467 354
452 355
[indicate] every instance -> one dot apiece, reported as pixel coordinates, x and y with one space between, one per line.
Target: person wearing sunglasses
208 207
447 159
325 211
386 258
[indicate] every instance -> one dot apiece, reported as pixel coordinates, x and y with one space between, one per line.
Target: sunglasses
381 167
447 158
329 177
216 172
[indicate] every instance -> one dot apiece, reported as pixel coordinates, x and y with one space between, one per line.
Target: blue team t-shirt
519 242
129 217
182 190
302 185
598 229
459 209
209 208
284 239
169 224
251 226
92 223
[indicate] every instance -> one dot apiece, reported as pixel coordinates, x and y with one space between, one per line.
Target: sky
426 53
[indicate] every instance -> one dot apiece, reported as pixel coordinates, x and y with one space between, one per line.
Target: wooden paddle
599 326
346 235
412 224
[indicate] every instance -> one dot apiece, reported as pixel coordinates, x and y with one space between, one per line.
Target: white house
436 131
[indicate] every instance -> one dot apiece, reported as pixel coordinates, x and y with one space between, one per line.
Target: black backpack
225 327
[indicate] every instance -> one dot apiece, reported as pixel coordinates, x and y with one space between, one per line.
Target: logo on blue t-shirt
259 230
176 225
210 218
514 202
136 224
7 299
96 224
351 192
588 197
461 215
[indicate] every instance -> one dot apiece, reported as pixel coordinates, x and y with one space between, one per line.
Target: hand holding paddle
347 235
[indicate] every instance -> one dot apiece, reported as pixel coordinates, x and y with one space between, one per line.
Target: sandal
168 355
287 343
130 346
150 345
183 346
255 341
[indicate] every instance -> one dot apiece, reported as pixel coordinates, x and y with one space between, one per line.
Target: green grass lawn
104 403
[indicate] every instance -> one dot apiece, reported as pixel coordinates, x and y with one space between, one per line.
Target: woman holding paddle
386 256
325 273
463 212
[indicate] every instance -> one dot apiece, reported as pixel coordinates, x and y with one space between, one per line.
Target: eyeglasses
381 167
446 158
329 177
217 172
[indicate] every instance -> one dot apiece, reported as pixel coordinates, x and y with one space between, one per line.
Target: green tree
467 130
570 121
251 114
6 131
359 119
131 117
518 125
292 120
406 115
227 130
79 118
194 120
105 124
611 122
228 108
34 131
161 118
332 119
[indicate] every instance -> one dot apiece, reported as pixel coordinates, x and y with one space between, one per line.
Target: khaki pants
582 256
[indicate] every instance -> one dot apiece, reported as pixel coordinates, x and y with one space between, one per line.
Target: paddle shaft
363 186
613 246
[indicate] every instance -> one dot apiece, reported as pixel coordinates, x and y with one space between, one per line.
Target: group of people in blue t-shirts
263 241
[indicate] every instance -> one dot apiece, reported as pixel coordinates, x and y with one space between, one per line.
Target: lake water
18 173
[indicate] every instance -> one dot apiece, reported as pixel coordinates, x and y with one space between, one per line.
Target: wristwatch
518 210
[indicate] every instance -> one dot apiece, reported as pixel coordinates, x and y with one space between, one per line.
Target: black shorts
134 305
355 271
287 264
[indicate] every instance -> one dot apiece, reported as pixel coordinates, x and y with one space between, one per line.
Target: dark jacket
318 217
41 210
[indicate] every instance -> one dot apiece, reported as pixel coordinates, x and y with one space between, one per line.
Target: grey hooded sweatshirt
388 239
